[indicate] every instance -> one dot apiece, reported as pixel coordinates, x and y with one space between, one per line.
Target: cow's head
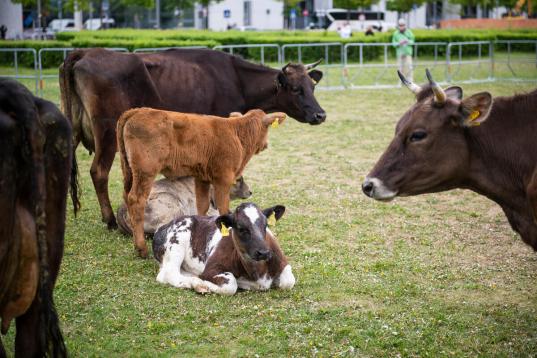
249 228
295 84
240 190
429 152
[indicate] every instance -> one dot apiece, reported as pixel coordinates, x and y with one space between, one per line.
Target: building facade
241 14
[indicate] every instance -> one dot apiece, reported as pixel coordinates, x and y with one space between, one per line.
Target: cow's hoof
202 289
112 224
142 252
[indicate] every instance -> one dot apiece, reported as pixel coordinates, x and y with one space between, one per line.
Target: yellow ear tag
224 230
474 115
272 220
275 124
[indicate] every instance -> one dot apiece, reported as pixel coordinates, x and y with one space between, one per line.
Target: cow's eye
296 90
417 136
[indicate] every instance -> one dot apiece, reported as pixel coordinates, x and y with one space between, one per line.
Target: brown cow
35 165
445 142
214 150
98 85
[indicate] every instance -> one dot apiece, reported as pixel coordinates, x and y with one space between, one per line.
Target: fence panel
264 53
21 72
159 49
474 62
515 59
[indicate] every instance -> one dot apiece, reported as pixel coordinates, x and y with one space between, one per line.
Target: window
247 20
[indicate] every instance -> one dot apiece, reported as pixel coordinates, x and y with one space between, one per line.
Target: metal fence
264 49
353 65
16 75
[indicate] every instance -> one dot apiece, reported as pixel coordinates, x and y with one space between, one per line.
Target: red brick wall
489 24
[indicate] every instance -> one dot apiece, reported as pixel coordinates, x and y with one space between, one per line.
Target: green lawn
434 275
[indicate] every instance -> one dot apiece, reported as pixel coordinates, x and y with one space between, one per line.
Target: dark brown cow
445 142
35 165
98 85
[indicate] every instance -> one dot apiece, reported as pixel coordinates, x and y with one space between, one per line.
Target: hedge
132 39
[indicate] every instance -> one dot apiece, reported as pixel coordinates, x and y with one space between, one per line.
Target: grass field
435 275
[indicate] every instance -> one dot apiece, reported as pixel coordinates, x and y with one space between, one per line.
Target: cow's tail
49 334
69 98
125 166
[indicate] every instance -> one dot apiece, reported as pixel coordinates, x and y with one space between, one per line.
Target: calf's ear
272 117
315 75
278 211
475 109
226 220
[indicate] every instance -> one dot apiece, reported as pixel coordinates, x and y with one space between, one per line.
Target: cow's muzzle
375 188
262 255
318 118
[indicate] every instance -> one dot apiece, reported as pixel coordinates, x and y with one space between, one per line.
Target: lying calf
171 198
193 253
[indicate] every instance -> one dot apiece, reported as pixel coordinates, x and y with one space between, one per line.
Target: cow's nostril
320 116
367 187
262 254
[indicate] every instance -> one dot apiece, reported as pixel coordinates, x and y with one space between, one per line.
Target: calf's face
429 152
249 229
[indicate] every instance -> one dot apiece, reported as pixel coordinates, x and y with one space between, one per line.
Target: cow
445 141
98 85
170 198
193 252
35 172
214 150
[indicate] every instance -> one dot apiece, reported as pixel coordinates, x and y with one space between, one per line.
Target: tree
353 5
403 6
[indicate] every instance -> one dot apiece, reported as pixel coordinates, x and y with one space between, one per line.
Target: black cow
97 86
35 166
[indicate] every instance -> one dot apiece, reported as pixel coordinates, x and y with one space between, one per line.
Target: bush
132 39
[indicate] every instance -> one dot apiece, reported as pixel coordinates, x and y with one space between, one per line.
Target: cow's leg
137 199
27 336
105 151
286 280
221 195
170 270
202 196
531 191
223 284
2 350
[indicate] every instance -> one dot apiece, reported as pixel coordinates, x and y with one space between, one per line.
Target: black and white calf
193 253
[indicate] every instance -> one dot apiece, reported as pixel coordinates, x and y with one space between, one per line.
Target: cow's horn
439 94
313 65
410 85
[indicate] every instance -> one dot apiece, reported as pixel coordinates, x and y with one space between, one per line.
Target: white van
358 20
59 25
98 24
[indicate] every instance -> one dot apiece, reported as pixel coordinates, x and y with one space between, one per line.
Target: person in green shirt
403 40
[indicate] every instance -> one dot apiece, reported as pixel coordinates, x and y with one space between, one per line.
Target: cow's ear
271 118
475 109
226 220
282 79
316 76
278 211
454 92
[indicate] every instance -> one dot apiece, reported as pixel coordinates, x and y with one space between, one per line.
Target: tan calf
214 150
